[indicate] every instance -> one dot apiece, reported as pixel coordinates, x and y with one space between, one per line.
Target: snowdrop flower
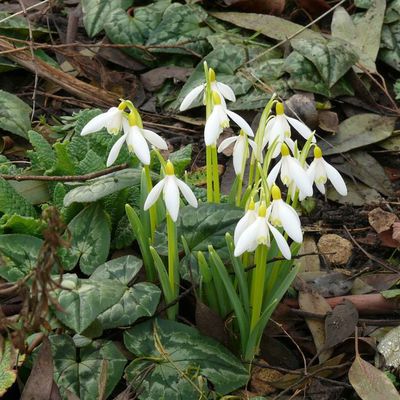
320 171
219 119
135 138
222 89
170 186
111 120
291 171
240 150
278 128
249 217
258 233
281 214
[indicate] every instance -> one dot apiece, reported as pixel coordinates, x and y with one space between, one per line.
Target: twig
24 11
370 256
65 178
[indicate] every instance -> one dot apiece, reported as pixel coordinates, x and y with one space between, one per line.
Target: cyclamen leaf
80 370
181 159
171 358
11 202
90 243
91 163
14 114
10 359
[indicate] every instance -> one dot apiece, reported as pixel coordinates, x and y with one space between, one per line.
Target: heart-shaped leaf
22 251
83 300
171 359
82 370
138 300
90 243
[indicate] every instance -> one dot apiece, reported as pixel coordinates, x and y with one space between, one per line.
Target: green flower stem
241 177
153 209
215 174
257 284
209 170
173 265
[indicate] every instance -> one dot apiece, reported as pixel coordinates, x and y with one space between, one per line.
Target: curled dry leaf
335 249
381 220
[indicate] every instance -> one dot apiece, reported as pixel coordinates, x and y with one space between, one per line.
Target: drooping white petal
115 150
247 241
95 124
226 91
190 97
154 194
336 179
226 143
303 129
290 221
244 222
271 179
155 139
278 134
321 187
269 127
253 145
171 196
241 122
137 143
239 153
300 177
212 128
281 242
114 121
187 193
311 171
320 175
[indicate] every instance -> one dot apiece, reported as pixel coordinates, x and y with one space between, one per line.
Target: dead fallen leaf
340 323
328 121
311 262
274 7
396 232
389 347
155 78
314 7
40 384
303 107
381 220
315 303
335 249
261 378
370 383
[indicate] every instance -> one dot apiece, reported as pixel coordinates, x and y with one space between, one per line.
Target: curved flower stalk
279 128
111 120
222 89
281 214
171 186
219 119
258 233
291 172
240 150
320 171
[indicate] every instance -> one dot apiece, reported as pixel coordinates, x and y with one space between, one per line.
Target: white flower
170 186
291 171
221 88
258 233
282 214
278 128
240 150
320 171
135 138
219 119
244 222
112 120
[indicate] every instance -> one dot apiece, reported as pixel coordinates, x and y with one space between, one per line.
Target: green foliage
19 224
14 114
81 370
8 361
20 254
90 240
175 361
181 159
138 300
11 202
43 152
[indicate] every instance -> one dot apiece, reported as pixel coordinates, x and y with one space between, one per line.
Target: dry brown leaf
261 378
335 249
381 220
274 7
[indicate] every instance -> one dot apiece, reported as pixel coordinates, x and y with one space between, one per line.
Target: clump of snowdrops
260 269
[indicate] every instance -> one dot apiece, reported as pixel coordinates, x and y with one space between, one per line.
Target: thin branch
66 178
23 11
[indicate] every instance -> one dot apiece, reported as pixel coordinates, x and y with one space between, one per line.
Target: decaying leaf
389 347
370 383
315 303
310 262
9 361
335 249
340 323
381 220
